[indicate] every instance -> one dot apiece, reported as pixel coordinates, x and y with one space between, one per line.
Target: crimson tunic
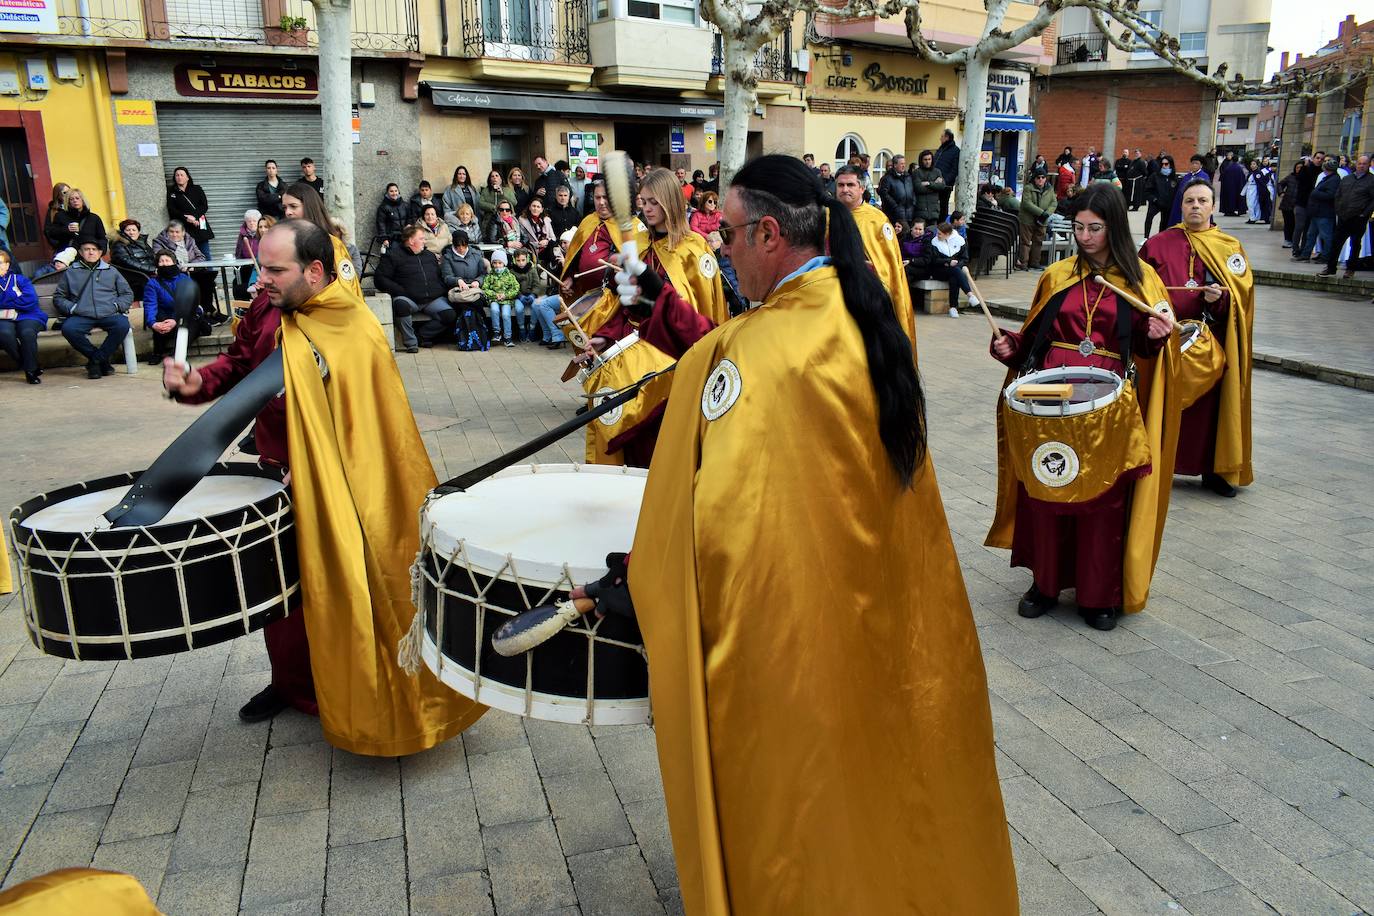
255 339
1172 257
1078 545
598 248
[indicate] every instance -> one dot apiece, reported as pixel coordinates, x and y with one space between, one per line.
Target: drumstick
982 304
1132 300
549 275
538 625
592 271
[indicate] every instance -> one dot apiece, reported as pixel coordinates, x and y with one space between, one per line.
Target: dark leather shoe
106 369
1100 618
263 706
1034 603
1218 485
32 378
93 369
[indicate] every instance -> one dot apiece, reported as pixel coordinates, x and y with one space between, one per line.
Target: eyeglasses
503 209
727 233
1090 228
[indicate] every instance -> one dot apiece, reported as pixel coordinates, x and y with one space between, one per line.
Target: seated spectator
21 318
67 225
462 270
249 289
537 231
916 255
410 275
436 231
460 191
177 240
959 221
186 204
546 307
90 295
515 183
424 197
502 288
533 285
490 197
464 219
159 307
393 215
504 230
246 249
948 257
133 256
561 213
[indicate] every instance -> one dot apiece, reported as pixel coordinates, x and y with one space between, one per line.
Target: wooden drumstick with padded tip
1132 300
982 303
536 626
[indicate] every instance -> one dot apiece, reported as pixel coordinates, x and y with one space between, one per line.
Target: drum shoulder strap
1041 329
1124 333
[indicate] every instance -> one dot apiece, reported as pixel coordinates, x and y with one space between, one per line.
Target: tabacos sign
1008 92
245 82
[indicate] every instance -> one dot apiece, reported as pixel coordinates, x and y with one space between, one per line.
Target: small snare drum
1074 448
520 539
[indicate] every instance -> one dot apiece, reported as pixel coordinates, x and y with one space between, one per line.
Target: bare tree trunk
975 116
334 21
740 99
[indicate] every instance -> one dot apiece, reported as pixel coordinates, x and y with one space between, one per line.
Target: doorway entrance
646 143
510 147
24 236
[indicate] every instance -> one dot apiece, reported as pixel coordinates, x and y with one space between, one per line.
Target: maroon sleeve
674 325
241 358
1018 342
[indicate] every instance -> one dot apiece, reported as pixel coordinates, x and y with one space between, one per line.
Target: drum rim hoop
1074 410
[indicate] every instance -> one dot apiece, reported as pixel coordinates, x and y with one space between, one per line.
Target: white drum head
1093 387
537 518
212 496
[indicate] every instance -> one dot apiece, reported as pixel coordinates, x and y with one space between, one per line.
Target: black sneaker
1218 485
1034 603
106 368
263 706
93 369
1100 618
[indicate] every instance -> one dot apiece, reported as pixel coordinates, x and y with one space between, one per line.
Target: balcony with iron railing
772 62
1090 48
537 31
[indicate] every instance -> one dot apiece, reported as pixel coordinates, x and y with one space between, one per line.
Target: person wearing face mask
1105 543
1160 186
159 307
21 318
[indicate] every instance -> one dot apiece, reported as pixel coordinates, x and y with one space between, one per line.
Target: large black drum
221 564
520 539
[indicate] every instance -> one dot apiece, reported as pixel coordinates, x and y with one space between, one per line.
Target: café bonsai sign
879 81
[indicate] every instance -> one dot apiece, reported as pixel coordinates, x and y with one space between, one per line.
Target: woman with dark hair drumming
1209 278
794 466
1104 545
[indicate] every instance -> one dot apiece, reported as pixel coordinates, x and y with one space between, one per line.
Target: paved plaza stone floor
1213 755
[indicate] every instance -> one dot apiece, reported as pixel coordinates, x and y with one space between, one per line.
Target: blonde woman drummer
1209 278
1104 547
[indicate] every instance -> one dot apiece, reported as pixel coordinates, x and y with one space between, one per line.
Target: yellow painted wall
925 135
822 134
78 125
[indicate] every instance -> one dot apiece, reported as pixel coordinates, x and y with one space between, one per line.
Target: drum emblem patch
612 416
722 390
1236 264
346 271
1054 464
887 231
707 265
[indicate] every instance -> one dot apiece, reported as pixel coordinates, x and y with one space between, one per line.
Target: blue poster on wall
677 139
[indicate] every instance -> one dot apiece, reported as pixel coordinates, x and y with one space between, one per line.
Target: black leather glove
612 591
650 284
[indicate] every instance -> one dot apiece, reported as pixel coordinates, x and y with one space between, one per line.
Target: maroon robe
255 339
1078 545
598 248
1172 257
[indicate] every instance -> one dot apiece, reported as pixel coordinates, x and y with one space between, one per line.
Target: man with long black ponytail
819 697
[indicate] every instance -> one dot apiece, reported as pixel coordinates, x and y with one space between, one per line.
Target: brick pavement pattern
1211 756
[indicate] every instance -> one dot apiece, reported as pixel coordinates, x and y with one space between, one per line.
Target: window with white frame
1192 42
1154 18
878 165
681 11
849 145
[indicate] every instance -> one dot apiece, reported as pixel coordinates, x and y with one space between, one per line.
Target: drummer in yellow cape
1082 501
359 473
596 239
1209 278
880 244
819 698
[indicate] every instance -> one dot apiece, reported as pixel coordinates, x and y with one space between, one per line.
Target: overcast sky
1305 25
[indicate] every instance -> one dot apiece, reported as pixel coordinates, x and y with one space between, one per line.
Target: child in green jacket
502 289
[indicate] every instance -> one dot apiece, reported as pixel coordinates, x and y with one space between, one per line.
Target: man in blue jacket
90 295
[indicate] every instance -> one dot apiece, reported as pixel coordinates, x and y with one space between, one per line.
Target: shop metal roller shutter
224 147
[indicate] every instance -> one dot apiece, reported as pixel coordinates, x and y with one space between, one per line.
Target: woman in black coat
132 255
1160 187
186 202
75 222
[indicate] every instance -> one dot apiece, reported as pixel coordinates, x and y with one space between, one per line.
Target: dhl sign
245 82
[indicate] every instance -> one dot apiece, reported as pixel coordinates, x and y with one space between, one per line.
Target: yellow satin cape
78 890
880 241
695 275
820 704
587 228
1219 252
6 578
1160 408
345 271
359 473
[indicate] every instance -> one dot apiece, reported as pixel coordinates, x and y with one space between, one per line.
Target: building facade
1097 95
1340 122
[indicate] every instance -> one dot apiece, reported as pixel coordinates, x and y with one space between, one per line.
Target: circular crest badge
346 271
722 390
707 265
1163 306
1054 464
610 417
887 231
1236 264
